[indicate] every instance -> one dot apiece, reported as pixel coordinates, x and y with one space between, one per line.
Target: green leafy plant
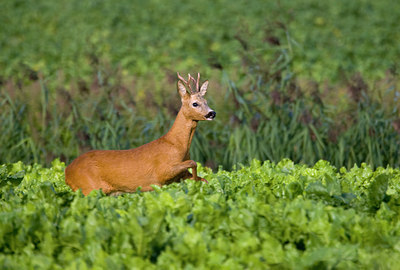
266 215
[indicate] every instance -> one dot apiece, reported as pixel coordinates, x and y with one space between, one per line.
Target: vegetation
281 216
80 38
287 79
304 80
101 75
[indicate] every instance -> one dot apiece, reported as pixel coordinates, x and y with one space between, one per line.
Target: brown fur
159 162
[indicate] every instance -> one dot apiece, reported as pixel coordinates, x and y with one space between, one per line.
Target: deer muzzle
211 115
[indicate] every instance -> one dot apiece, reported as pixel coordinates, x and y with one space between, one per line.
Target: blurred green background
306 80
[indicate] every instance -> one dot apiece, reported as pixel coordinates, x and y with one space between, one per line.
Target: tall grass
65 127
263 118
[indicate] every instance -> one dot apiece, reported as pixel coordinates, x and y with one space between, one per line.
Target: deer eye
195 104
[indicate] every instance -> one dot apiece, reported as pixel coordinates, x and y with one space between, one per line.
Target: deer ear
203 88
183 92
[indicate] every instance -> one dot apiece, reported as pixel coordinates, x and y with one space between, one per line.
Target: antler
190 78
181 78
197 82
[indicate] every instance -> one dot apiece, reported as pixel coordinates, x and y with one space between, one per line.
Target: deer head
194 105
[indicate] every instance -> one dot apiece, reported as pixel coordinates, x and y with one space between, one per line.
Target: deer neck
181 132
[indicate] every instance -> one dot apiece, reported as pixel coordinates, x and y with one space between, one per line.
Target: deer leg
181 171
184 166
195 177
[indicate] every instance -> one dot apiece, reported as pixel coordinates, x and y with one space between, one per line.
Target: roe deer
159 162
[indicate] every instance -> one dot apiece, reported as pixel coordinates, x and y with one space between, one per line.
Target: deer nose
211 115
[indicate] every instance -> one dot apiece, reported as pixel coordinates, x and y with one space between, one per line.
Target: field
303 157
264 216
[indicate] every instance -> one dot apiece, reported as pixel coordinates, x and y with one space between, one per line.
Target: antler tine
188 83
198 81
181 78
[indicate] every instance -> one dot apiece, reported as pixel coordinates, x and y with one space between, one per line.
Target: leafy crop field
262 216
326 39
